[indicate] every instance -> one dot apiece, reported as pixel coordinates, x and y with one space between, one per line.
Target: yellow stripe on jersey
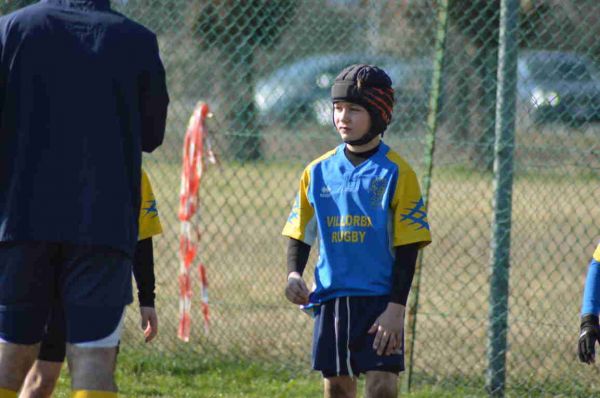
410 223
597 253
149 221
299 220
7 393
302 213
93 394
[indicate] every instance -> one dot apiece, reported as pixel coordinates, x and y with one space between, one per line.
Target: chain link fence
265 68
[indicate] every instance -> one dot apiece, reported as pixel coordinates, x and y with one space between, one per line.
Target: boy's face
351 120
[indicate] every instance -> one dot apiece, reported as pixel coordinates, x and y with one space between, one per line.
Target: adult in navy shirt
82 93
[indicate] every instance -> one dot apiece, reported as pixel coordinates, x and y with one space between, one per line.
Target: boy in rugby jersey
44 373
363 201
590 327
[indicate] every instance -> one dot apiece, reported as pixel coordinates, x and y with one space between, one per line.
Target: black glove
589 334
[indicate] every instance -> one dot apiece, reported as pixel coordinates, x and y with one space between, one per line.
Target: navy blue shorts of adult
93 284
341 342
53 345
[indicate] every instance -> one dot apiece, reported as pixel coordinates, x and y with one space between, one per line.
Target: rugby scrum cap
370 87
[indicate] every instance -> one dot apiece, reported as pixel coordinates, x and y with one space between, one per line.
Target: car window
560 70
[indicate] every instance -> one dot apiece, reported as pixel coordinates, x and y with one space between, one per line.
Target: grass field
192 377
555 224
182 377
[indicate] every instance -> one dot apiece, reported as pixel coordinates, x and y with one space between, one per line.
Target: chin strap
365 139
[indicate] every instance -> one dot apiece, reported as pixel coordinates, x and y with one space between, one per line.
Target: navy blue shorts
53 347
341 343
93 284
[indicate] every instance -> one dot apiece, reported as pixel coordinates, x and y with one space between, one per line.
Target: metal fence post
503 181
432 119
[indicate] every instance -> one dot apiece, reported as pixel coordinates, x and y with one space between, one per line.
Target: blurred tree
479 20
236 29
162 16
12 5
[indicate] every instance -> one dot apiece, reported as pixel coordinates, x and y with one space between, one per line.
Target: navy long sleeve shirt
82 93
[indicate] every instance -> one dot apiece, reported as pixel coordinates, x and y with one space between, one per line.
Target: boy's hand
589 334
296 290
389 328
149 322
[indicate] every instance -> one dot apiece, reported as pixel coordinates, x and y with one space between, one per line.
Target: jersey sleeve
410 223
149 221
301 223
591 291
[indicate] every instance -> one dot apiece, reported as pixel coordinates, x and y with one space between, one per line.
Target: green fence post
435 97
503 180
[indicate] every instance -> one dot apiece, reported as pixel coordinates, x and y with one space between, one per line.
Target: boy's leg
41 379
331 351
26 285
381 385
339 387
96 287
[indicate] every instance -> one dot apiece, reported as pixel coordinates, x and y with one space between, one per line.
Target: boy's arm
301 228
143 272
411 232
591 293
297 257
403 272
390 324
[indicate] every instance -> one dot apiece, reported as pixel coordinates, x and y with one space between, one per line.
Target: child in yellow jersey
363 202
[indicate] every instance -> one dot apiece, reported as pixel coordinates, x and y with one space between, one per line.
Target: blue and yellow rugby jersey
359 214
149 222
591 292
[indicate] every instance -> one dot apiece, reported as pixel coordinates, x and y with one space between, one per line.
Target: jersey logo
417 215
325 192
377 190
151 210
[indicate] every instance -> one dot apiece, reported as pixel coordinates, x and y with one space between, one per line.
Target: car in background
555 86
300 92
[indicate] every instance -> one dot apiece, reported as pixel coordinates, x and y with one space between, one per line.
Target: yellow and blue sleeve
591 291
149 220
301 224
410 223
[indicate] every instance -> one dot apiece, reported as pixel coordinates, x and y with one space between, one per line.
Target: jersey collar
383 150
